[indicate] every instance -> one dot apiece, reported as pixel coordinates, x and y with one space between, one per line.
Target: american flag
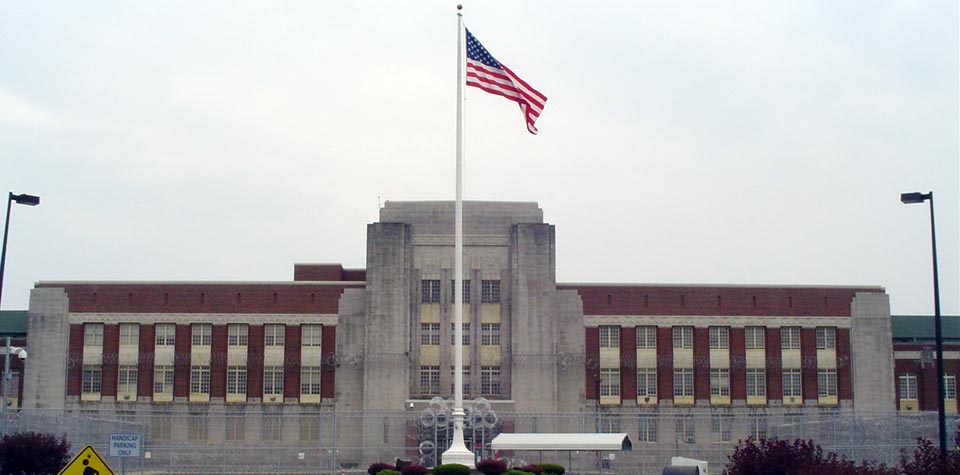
485 72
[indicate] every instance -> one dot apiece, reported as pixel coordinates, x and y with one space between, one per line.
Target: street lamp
28 200
22 354
24 199
913 198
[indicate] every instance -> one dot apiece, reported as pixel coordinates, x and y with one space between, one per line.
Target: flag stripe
487 74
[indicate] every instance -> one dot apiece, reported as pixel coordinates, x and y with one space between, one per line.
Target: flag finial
459 7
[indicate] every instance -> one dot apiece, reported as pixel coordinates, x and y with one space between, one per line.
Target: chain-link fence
184 439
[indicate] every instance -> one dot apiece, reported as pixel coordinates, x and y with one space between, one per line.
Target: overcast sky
715 142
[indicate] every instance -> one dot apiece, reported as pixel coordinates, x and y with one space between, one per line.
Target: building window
237 380
609 424
429 333
685 426
234 427
199 380
609 336
200 334
310 380
790 338
430 380
609 381
465 337
648 428
237 334
827 382
166 334
310 428
130 335
311 335
758 427
431 291
273 380
92 334
197 427
949 386
490 291
490 334
826 338
272 428
683 338
127 380
466 380
720 381
465 287
721 426
163 379
490 380
683 382
646 382
160 426
792 383
908 386
754 337
647 337
719 338
273 334
91 383
756 382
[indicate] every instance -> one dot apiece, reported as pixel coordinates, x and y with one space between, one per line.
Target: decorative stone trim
214 318
470 240
714 320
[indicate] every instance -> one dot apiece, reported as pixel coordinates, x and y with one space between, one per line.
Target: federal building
379 340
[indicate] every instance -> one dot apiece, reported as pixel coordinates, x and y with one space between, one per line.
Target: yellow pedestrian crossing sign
87 462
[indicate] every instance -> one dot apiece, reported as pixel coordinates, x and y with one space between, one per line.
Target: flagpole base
458 452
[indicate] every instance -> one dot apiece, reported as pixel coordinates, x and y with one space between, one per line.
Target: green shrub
414 470
388 472
378 467
451 469
552 468
514 471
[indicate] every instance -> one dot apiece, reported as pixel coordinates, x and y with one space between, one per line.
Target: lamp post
9 351
912 198
28 200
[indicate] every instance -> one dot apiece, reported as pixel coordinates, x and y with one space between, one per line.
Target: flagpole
458 452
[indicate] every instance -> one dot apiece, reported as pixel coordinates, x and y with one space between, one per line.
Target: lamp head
25 199
22 354
911 198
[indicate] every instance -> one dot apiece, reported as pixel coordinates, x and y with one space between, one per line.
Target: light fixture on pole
913 198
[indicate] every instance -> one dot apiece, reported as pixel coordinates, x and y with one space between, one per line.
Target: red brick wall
844 375
181 362
291 362
664 363
774 364
329 373
327 272
111 355
808 359
682 300
701 363
218 361
146 360
75 364
203 297
628 363
255 362
592 351
738 360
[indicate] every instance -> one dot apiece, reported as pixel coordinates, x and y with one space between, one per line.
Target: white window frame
826 338
130 335
490 334
201 334
609 336
274 335
429 334
683 382
719 338
200 379
237 380
792 381
826 382
163 379
92 334
489 291
311 335
165 334
238 334
91 381
609 382
789 338
720 381
646 382
273 381
756 379
429 380
754 337
908 387
647 428
646 337
127 376
683 337
490 380
310 380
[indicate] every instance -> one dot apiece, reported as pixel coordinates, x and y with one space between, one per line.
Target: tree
33 453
